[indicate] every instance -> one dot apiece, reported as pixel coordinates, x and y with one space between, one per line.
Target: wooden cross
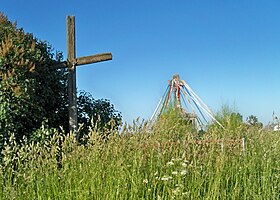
71 64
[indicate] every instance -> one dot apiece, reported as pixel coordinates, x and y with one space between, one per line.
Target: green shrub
232 122
172 125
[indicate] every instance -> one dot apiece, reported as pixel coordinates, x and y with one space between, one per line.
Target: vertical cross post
71 64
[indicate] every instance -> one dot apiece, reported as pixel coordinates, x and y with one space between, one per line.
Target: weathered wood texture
71 62
94 58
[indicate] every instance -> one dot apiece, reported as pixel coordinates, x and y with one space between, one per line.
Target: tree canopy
30 89
253 121
99 113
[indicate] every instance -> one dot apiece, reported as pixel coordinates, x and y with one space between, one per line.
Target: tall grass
139 164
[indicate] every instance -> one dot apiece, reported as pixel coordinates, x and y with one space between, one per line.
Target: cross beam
71 64
86 60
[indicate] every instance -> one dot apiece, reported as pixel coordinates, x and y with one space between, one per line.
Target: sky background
228 51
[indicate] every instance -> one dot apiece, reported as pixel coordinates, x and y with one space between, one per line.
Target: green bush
173 125
232 122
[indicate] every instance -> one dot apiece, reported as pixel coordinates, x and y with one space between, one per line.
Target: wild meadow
170 161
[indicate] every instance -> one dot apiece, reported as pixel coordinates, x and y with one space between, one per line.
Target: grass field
139 164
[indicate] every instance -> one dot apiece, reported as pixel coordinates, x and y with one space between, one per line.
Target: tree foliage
99 113
30 89
253 121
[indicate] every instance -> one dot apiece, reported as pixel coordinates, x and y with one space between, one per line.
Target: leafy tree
253 121
31 91
99 113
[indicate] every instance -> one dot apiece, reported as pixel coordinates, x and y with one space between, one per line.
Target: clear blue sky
228 51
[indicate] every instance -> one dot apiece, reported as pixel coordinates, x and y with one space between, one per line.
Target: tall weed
167 162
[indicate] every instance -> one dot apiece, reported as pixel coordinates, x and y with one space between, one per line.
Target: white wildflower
183 172
174 173
145 181
176 159
184 164
170 163
164 178
176 191
179 185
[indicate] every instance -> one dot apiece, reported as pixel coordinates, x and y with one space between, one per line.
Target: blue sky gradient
227 51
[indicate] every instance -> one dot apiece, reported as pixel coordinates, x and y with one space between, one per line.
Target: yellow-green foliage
171 125
232 122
